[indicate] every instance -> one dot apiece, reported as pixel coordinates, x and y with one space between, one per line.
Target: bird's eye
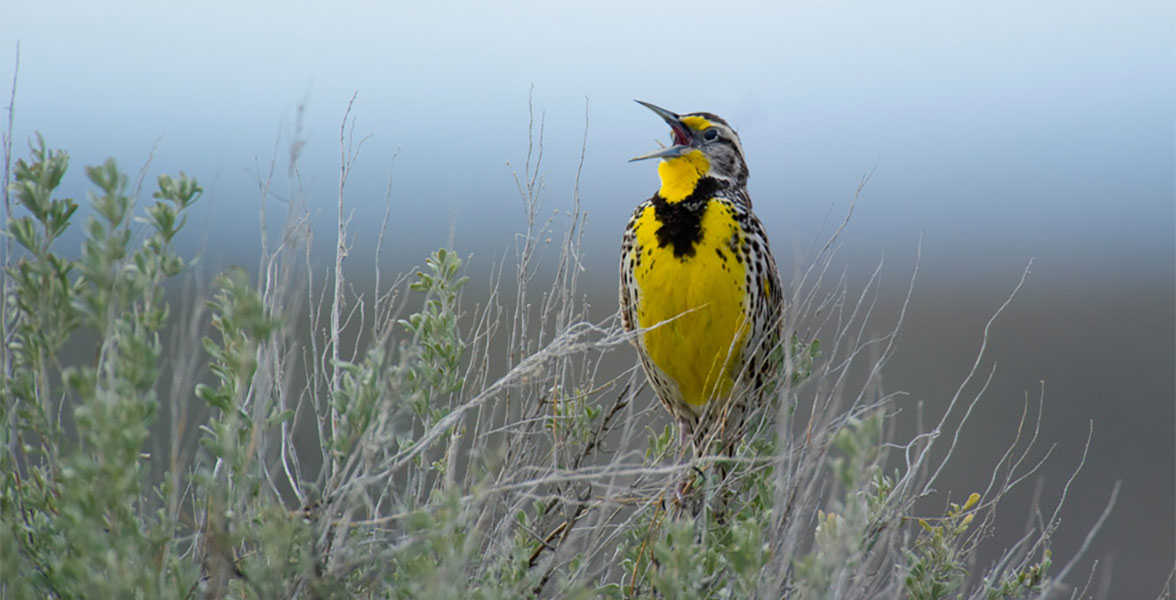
710 135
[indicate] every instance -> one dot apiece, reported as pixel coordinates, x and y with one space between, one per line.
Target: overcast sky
1027 126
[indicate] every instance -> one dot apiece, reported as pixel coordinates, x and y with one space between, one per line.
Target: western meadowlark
698 280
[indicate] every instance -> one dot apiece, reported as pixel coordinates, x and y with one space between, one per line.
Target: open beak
683 138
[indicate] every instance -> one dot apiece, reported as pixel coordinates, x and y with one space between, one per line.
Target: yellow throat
680 175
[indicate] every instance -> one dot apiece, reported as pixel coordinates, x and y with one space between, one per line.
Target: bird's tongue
681 138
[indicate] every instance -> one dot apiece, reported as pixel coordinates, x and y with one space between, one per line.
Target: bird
699 288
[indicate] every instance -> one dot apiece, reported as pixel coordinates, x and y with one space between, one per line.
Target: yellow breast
699 300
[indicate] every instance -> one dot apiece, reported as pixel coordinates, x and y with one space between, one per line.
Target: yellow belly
699 302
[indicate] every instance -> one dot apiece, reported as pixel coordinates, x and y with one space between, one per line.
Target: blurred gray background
1001 131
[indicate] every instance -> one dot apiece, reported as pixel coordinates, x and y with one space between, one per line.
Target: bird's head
703 144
